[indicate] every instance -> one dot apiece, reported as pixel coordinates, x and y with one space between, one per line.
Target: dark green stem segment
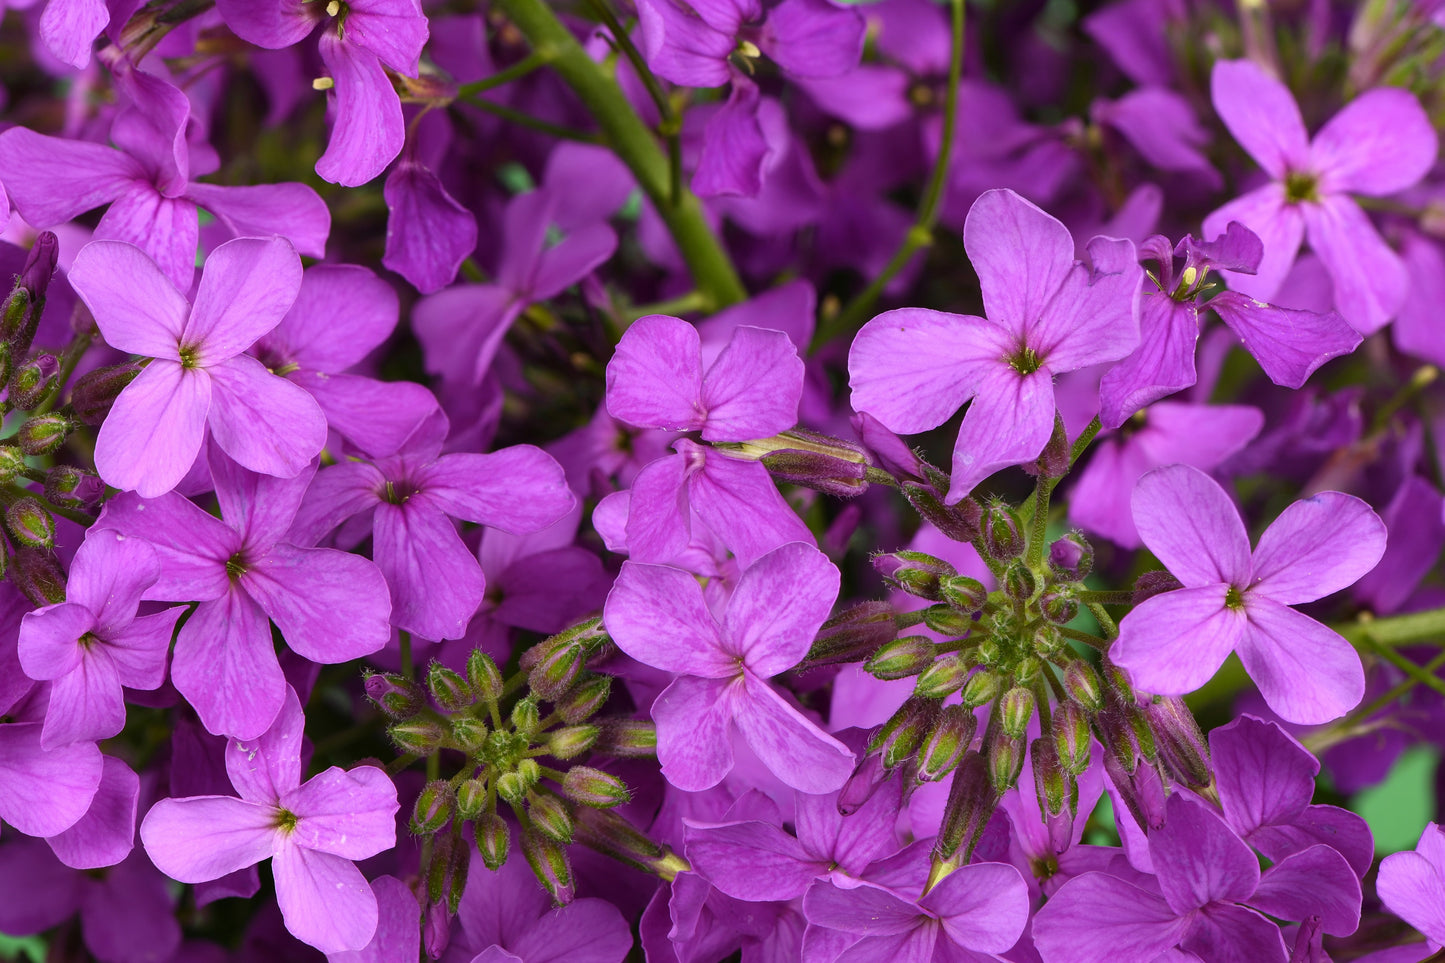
635 146
920 235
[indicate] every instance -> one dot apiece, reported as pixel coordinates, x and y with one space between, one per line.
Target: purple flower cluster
703 480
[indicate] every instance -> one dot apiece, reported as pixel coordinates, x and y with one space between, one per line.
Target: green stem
520 69
68 361
682 304
1039 525
920 235
1106 621
635 146
1106 598
1416 628
1349 725
1092 641
527 120
1410 669
1082 442
408 669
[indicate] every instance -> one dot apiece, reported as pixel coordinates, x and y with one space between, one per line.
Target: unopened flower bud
33 380
20 314
867 776
947 620
549 816
571 741
1016 708
12 463
72 487
607 832
493 840
30 524
902 658
900 736
469 734
394 694
1051 782
420 736
593 787
826 473
914 572
1059 606
1029 670
585 699
43 434
434 806
1002 533
436 927
1072 557
943 749
1019 581
965 594
448 688
1082 683
512 786
981 687
1053 461
971 802
555 669
1005 762
38 575
446 876
626 738
1072 740
550 865
1141 789
1154 583
854 634
1183 750
95 391
483 676
471 798
959 522
526 717
944 677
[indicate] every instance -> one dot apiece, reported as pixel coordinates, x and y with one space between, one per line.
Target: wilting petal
1008 423
225 666
154 430
136 307
656 614
799 753
1161 365
368 131
428 234
1317 546
265 423
324 899
1306 672
1380 143
1173 643
1262 115
735 150
331 606
348 813
1188 521
205 837
778 606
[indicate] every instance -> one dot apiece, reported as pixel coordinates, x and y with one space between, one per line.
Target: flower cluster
699 480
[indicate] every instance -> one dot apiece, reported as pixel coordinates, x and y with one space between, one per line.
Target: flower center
286 821
235 566
1301 186
1026 361
1233 599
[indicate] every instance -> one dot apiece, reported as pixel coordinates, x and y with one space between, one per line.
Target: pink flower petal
778 606
654 379
1008 423
44 793
1380 143
226 667
1306 672
136 307
912 368
753 389
351 814
1022 256
246 289
62 178
1174 643
105 835
202 838
267 767
331 606
1317 546
1262 115
154 430
435 581
368 131
324 899
1369 278
1188 521
163 227
656 614
265 423
799 753
694 738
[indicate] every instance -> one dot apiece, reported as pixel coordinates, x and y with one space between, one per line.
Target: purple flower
1209 898
436 582
1381 142
1412 885
361 38
330 606
312 832
1235 601
92 644
911 368
198 375
43 792
658 615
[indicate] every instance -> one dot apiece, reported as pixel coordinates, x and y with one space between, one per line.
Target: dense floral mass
574 481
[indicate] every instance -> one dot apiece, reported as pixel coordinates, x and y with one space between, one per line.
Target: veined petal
740 503
45 792
428 234
1317 546
368 131
799 753
267 767
166 228
62 177
1008 423
1290 345
109 575
778 606
1230 933
202 838
1173 643
376 416
868 910
694 731
1188 521
520 489
584 931
1022 256
1306 672
983 906
105 835
193 545
49 643
1097 918
1414 890
225 666
752 861
1317 882
324 899
294 211
753 388
264 422
656 614
1161 365
342 313
1380 143
1094 317
1280 226
684 47
86 704
348 813
331 606
247 287
136 307
436 582
270 25
154 430
394 30
814 38
1262 115
1369 278
1264 775
1198 858
70 29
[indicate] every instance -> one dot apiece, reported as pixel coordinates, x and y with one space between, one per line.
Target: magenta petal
1235 934
867 909
656 614
1022 256
739 502
225 666
203 838
265 768
520 489
1188 521
814 38
1369 278
752 861
1280 226
154 430
1380 143
265 423
436 583
1199 859
272 25
428 234
585 931
735 149
1317 546
376 416
1264 775
1306 672
394 30
796 751
136 307
398 928
342 313
1096 918
130 917
69 28
48 647
1288 344
246 289
983 906
1008 423
694 739
1161 365
62 178
1315 882
684 47
912 368
294 211
1094 317
44 793
105 835
654 379
193 546
1262 115
351 814
165 228
1412 888
331 606
576 256
86 704
752 390
368 131
1173 643
778 606
324 899
658 512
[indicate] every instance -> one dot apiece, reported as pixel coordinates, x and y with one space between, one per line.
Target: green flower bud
951 737
1051 783
981 687
1071 737
1059 606
902 658
914 572
1019 582
571 741
627 738
420 736
469 734
1082 683
30 524
394 694
512 786
472 798
448 688
37 573
95 392
593 787
71 487
900 736
525 716
549 816
1072 557
584 700
1182 747
944 677
550 865
12 462
959 522
947 620
1005 762
1002 533
1016 708
971 802
965 594
605 831
446 875
493 840
555 669
43 434
33 381
484 676
434 807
